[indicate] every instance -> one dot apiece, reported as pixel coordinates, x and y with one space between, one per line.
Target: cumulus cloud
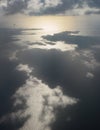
89 59
42 103
24 68
28 6
41 7
15 6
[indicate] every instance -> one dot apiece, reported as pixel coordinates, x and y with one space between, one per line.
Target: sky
49 64
13 12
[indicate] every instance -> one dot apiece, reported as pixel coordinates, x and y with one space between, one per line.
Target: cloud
24 68
92 11
57 45
42 103
11 80
89 59
94 3
58 68
69 37
29 7
55 80
42 7
15 6
89 75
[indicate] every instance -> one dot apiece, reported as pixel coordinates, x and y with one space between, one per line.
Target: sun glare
49 24
49 27
54 24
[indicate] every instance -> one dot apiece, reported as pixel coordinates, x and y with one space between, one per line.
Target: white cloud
88 59
52 3
89 75
25 68
62 46
34 6
42 103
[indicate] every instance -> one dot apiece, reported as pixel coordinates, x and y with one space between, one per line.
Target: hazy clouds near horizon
45 7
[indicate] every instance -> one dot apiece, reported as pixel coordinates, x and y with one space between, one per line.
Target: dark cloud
15 6
81 41
94 3
34 43
94 7
42 7
92 12
65 6
60 8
